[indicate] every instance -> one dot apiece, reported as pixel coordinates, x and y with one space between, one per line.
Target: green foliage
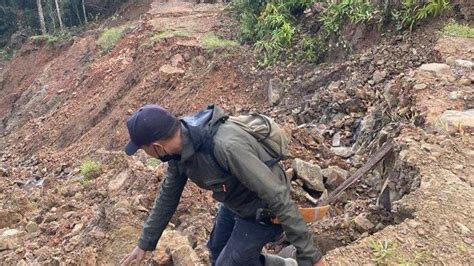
414 11
110 37
152 162
382 251
211 42
6 54
270 24
338 13
90 170
458 30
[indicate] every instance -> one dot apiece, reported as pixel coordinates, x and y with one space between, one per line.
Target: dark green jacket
239 179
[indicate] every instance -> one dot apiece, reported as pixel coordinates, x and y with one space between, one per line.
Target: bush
414 11
270 24
110 37
90 170
458 30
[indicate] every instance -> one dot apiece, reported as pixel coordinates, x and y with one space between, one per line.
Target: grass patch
169 34
47 38
90 170
163 35
109 38
152 162
458 30
211 42
382 251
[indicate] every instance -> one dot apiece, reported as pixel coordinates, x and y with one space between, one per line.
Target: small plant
6 54
110 37
458 30
152 162
382 251
90 170
211 42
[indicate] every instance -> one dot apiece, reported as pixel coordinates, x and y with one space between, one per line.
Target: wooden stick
371 162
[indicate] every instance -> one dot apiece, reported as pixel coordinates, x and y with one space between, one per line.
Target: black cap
150 123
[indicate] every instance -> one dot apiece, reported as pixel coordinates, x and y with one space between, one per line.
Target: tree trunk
41 17
59 15
84 10
77 13
53 20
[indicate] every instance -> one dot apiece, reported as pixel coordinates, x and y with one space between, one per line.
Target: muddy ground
65 103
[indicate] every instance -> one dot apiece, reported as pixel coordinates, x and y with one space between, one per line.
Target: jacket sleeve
163 209
242 161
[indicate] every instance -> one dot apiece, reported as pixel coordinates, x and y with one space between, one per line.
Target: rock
454 95
5 243
4 172
13 233
170 70
362 223
334 85
200 59
464 63
275 89
309 173
9 218
70 214
77 228
420 86
463 229
174 249
185 256
379 76
436 68
177 60
336 139
457 118
344 152
335 176
98 234
31 227
290 173
117 183
465 82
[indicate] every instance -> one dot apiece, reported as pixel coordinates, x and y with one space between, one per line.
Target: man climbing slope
220 156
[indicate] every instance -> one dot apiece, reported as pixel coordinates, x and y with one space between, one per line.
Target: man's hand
137 255
320 262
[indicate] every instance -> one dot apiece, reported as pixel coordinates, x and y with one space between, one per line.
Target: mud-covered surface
63 104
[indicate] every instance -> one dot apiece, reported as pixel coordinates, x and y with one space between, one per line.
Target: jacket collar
188 149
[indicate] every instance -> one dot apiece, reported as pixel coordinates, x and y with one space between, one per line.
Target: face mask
168 157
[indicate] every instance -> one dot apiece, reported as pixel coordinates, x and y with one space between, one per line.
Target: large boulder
436 68
310 174
456 119
175 249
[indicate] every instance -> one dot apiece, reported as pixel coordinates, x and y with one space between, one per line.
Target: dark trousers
238 241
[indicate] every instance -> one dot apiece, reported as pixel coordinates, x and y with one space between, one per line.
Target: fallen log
369 165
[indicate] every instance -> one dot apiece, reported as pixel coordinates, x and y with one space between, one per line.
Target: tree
41 17
59 15
84 10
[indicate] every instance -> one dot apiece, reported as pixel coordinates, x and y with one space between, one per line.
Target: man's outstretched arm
160 215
